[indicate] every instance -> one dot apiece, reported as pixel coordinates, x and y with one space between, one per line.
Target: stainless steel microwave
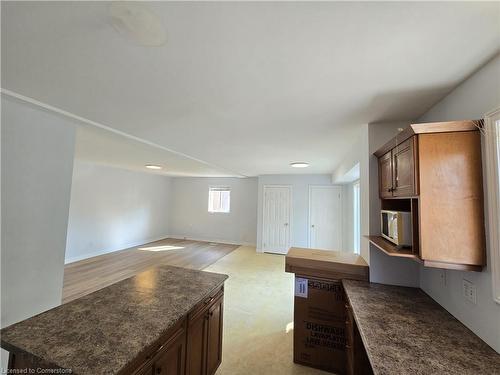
396 227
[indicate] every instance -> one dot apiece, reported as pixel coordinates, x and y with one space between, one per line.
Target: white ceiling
101 146
248 87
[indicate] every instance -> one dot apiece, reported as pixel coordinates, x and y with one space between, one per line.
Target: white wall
346 173
471 100
359 154
349 161
300 203
37 161
112 209
190 217
347 218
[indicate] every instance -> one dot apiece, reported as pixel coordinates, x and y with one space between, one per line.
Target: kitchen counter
101 333
404 331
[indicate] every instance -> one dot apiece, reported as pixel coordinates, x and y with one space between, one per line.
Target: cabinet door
171 359
197 344
404 173
214 348
385 175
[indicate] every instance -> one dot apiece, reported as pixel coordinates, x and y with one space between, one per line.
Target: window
219 199
492 143
356 217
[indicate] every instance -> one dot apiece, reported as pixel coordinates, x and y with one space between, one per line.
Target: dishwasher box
319 309
319 324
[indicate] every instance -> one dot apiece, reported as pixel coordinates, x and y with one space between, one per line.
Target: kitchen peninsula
160 320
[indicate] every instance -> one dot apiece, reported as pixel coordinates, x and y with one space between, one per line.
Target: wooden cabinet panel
398 175
214 339
170 360
204 338
385 175
197 344
403 169
357 359
451 198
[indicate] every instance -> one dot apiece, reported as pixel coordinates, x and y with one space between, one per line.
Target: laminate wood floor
88 275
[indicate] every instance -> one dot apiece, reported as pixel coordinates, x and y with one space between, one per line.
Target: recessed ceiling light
299 164
152 166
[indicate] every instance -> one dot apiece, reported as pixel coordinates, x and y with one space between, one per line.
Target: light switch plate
469 291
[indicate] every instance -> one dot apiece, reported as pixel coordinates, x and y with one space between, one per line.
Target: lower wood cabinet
214 337
204 341
171 359
357 360
193 347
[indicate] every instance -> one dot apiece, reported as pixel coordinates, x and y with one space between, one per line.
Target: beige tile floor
258 315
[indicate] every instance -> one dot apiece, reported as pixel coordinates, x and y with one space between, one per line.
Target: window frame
219 188
492 160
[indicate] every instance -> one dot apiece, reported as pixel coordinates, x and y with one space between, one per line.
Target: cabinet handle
158 370
211 313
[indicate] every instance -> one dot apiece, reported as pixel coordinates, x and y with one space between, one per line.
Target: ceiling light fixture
153 166
299 164
137 22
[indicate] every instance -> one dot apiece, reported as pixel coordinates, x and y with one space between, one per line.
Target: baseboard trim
206 239
112 250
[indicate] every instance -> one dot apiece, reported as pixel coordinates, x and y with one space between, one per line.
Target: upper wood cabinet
434 171
398 170
405 173
385 170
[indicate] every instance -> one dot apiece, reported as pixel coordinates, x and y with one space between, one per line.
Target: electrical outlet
469 291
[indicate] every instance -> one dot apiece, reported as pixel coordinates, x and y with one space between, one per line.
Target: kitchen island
160 320
404 331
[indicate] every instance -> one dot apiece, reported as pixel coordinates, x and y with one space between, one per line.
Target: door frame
290 225
311 187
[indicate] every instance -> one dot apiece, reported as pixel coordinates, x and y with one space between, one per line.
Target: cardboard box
319 324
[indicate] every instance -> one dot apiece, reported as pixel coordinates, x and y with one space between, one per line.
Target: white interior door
276 220
325 217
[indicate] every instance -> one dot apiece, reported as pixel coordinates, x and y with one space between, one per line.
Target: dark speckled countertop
102 332
405 331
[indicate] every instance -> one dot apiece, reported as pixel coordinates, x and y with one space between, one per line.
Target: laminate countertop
404 331
102 332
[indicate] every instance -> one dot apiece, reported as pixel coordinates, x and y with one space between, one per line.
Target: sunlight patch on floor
160 248
258 315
